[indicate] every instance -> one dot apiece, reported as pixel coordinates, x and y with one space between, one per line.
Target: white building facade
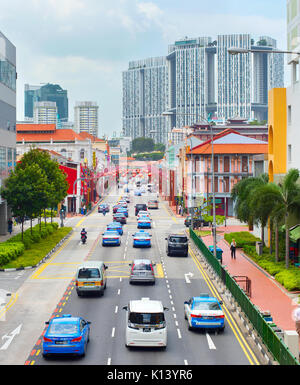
86 117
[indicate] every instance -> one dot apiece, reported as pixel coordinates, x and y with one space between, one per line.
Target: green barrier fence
275 345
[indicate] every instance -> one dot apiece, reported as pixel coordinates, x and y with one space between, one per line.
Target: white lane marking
117 308
172 303
119 291
186 277
179 334
211 345
109 361
185 362
121 279
176 323
175 316
113 332
170 297
173 308
10 337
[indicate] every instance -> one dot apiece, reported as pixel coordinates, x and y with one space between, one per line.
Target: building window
226 164
226 184
245 164
295 69
216 164
82 154
289 114
289 152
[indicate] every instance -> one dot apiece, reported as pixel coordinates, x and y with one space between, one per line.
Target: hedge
15 246
10 251
242 238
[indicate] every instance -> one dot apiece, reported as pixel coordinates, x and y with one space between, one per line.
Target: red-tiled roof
63 135
36 127
89 136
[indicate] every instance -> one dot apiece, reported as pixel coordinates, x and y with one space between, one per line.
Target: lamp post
214 232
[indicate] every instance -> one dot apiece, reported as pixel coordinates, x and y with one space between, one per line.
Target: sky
84 45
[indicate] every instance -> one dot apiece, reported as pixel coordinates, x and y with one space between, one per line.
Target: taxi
204 312
111 238
141 239
115 226
144 223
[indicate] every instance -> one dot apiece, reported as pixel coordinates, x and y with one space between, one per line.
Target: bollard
291 339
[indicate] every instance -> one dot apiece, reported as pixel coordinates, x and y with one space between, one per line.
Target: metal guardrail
275 345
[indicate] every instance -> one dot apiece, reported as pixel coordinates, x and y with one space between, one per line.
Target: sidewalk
266 293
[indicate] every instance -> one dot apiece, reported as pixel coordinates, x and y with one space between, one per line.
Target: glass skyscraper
46 93
7 119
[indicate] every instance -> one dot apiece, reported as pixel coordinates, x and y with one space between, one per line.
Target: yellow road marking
243 343
9 304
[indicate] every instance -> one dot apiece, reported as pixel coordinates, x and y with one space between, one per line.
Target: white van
91 277
145 323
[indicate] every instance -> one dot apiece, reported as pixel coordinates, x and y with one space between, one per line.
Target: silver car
142 270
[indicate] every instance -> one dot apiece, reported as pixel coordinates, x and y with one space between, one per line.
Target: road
51 290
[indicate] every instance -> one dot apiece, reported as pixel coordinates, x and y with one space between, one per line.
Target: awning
295 233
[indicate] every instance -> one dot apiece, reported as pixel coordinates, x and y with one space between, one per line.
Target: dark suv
177 244
140 206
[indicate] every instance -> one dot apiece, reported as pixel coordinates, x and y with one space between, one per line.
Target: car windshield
111 233
206 306
147 318
178 239
63 328
142 266
89 273
141 235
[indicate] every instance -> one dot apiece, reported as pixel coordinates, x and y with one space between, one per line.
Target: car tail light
45 339
219 316
133 266
196 315
78 339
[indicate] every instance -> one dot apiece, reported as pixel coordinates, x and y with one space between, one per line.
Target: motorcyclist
83 234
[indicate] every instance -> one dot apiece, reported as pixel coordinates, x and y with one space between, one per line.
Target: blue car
204 312
116 226
111 238
142 239
137 193
144 223
66 335
123 210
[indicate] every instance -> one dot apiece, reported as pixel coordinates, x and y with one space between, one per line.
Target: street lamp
214 232
237 50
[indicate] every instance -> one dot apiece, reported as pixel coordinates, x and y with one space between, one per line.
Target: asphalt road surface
50 290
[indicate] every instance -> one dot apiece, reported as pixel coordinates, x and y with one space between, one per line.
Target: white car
145 323
143 214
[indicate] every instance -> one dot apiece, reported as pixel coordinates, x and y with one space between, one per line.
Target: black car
198 222
103 207
177 244
140 207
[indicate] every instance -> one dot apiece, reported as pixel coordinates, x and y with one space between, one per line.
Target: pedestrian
296 317
179 209
233 249
10 225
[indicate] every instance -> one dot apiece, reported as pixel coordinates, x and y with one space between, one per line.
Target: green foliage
142 145
10 251
219 219
242 238
149 156
15 254
290 278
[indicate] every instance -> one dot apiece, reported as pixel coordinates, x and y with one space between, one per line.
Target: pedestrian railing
275 345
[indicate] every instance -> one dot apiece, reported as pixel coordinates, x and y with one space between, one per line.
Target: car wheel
189 326
221 330
46 356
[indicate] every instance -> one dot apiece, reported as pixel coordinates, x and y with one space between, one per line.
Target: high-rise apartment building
145 98
293 91
192 81
7 119
244 80
46 93
44 113
86 117
199 77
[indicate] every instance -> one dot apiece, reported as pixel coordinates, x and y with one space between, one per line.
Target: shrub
289 279
10 251
242 238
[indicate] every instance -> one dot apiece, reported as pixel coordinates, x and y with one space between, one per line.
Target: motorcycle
83 238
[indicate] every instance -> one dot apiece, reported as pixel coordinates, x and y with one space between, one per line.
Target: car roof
146 305
67 318
91 264
205 299
142 260
142 232
178 235
114 224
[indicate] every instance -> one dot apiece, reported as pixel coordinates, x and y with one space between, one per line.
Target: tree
243 194
25 190
56 178
286 199
142 145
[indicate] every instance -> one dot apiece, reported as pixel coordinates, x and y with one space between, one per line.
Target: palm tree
285 197
243 194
